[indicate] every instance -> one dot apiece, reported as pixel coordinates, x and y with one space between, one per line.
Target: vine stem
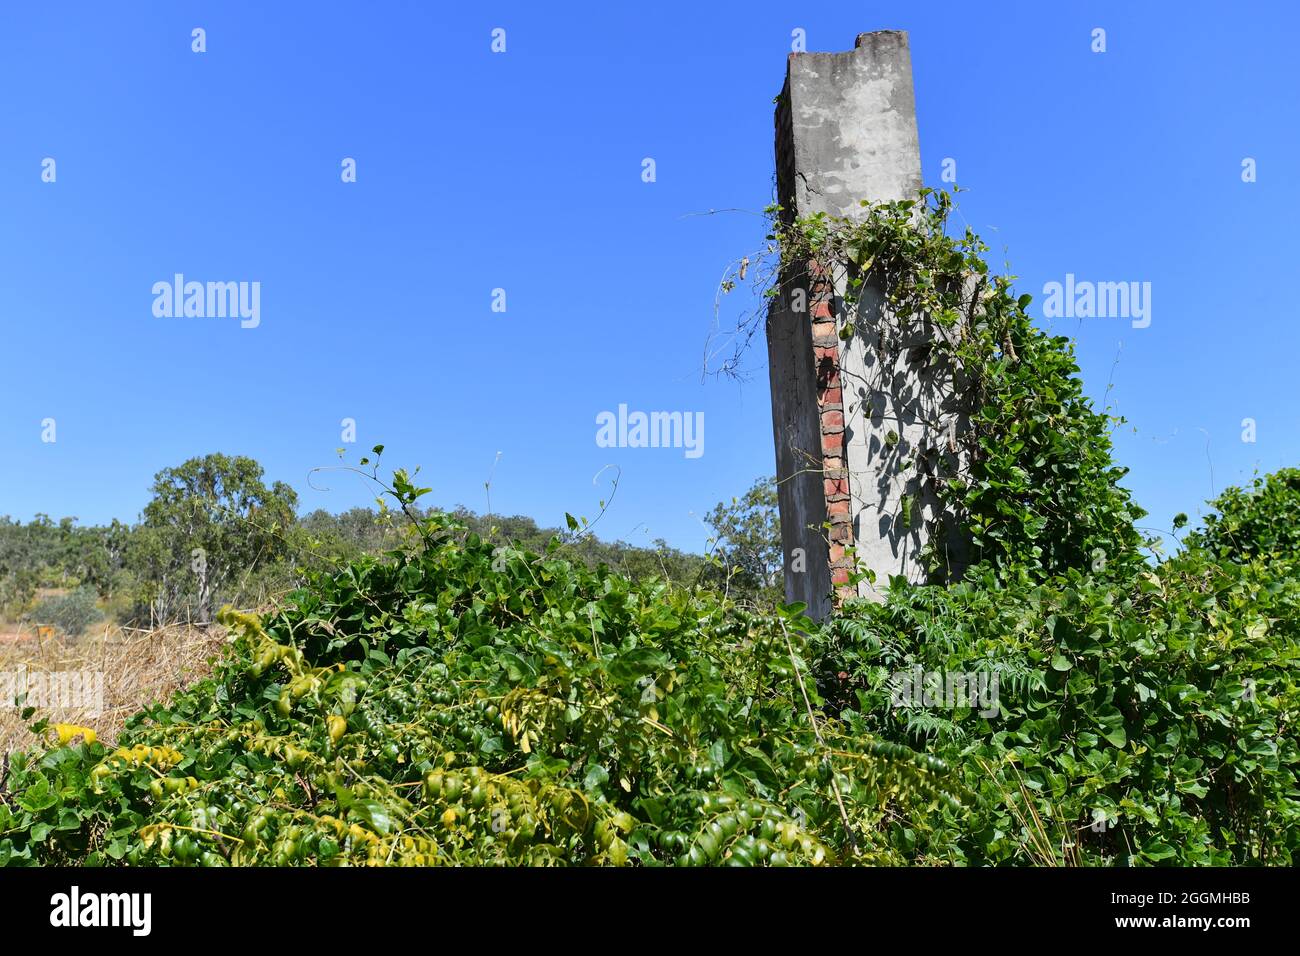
217 833
812 719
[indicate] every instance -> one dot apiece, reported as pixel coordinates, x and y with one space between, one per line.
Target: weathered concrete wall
848 416
795 424
903 424
852 126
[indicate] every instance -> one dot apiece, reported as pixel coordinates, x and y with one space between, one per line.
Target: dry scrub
138 667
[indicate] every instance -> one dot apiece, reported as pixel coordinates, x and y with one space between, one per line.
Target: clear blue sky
522 171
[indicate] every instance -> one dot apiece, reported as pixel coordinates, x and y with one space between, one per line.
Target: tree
749 541
211 521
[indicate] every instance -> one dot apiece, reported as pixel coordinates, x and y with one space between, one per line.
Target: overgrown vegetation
1026 472
1147 720
1144 712
215 533
463 700
451 704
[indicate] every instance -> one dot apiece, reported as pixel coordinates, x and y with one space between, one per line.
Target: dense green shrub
454 704
1263 520
1144 713
1142 721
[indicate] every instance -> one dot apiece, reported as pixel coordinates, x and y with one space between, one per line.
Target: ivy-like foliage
1030 482
1140 721
1144 713
1251 523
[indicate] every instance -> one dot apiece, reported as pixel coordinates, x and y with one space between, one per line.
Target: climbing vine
1024 467
1144 709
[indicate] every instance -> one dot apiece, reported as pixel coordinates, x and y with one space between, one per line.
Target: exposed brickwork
835 488
830 401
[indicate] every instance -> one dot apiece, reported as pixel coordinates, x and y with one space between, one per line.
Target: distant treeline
215 533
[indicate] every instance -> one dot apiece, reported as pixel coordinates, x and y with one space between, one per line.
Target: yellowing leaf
337 727
67 731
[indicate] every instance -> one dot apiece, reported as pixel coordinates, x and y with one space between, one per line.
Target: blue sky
522 171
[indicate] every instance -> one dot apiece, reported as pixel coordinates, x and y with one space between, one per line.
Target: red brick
832 419
835 486
840 576
842 533
837 553
832 463
837 507
831 396
821 310
832 444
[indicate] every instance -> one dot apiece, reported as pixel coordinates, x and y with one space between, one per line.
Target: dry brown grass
138 668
